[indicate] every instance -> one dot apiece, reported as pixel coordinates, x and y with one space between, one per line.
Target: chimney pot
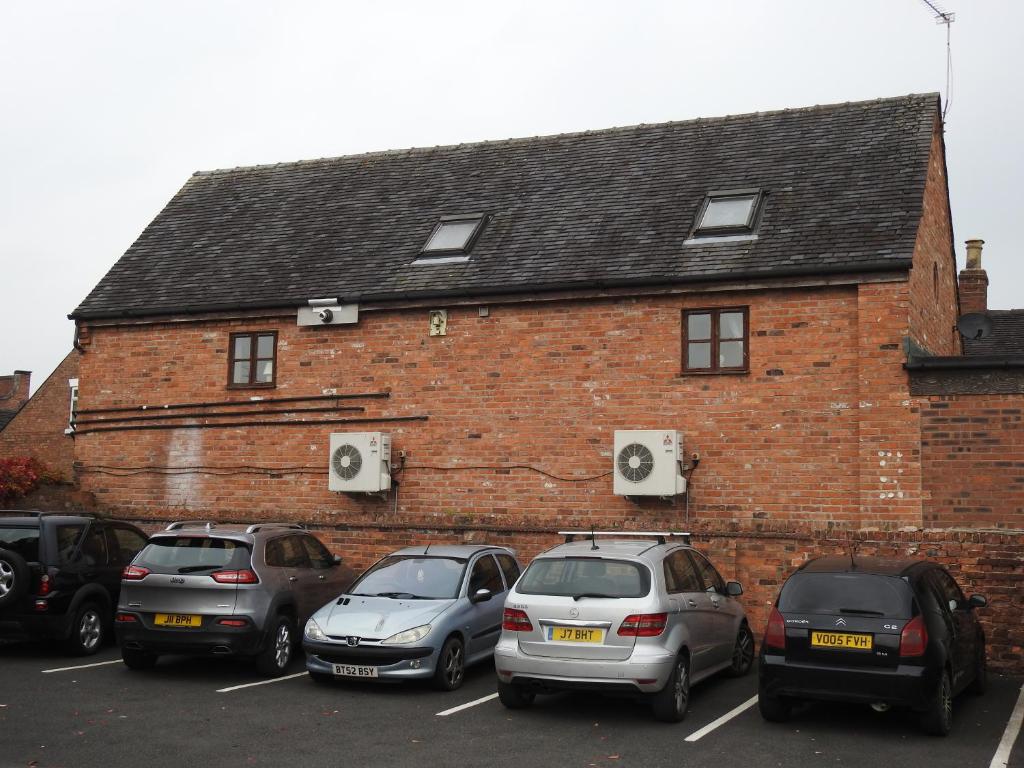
974 253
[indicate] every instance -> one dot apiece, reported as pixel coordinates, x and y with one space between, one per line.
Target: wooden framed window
716 340
252 361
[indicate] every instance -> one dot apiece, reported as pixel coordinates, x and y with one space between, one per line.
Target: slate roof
845 184
6 417
1007 337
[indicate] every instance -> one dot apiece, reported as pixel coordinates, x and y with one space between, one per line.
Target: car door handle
692 603
321 577
293 578
715 603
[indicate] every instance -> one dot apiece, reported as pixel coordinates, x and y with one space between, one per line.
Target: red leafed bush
20 476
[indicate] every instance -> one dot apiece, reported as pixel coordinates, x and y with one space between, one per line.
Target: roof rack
177 525
260 526
661 536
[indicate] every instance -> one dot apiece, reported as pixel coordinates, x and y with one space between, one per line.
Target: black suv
878 631
60 575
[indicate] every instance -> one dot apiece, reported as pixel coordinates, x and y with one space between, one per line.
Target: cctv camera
325 315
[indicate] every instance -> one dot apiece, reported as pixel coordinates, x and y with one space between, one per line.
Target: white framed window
73 386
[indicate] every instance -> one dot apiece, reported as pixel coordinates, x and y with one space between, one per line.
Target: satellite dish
974 326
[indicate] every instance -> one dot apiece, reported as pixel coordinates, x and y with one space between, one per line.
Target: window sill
725 372
252 386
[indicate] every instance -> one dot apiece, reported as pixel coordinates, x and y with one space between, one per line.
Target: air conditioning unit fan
647 463
360 462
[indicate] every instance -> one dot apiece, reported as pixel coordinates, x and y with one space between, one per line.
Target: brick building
755 282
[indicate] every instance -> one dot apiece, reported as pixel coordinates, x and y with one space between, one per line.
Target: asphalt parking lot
56 712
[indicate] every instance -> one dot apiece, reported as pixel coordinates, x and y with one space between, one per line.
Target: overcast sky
106 108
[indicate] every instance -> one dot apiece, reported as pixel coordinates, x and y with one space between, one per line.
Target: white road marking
1002 755
261 682
82 666
699 734
467 705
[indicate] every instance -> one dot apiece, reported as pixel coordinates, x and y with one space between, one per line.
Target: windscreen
585 577
412 577
193 554
21 541
849 593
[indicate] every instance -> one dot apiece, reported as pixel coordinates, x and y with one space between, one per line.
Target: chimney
14 390
973 281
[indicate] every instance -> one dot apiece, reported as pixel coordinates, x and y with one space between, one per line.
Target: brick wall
533 388
973 455
38 429
933 279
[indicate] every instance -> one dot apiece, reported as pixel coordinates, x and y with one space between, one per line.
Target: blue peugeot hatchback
419 613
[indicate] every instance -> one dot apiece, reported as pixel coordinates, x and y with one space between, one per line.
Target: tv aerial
947 18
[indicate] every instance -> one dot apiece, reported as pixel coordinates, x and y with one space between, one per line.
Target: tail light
134 573
914 637
235 577
45 586
643 625
515 620
775 634
125 618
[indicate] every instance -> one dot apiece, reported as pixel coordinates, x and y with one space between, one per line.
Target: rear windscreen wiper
594 594
861 612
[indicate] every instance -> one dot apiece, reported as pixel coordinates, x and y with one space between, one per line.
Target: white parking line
82 666
701 733
261 682
467 705
1002 755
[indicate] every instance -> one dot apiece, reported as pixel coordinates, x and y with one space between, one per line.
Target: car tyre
14 577
742 653
513 696
980 682
773 709
88 631
451 665
275 657
937 719
136 659
671 702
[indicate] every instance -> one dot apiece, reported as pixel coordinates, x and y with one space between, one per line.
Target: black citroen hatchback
872 630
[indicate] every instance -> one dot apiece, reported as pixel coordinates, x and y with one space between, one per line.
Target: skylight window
453 236
728 213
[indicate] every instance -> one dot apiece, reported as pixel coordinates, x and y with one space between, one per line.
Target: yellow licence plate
841 640
177 620
575 635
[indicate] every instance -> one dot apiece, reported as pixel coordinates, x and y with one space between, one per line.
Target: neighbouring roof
1006 338
6 417
844 188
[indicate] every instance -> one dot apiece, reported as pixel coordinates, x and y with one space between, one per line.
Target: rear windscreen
21 541
193 554
585 576
856 593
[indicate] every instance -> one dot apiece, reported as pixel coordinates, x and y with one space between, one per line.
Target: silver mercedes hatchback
643 617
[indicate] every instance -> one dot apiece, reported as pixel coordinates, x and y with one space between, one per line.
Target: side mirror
336 560
733 589
977 601
481 596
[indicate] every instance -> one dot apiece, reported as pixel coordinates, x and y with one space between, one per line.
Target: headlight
408 636
313 631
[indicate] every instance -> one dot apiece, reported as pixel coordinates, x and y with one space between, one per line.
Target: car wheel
672 701
774 709
14 577
742 653
136 659
980 683
87 631
273 660
451 665
513 696
937 719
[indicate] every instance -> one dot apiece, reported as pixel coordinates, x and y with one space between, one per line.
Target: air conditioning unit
647 462
360 462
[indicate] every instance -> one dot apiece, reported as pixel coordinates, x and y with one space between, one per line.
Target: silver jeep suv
625 616
203 588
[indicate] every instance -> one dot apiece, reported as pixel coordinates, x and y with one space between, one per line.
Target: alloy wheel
680 687
453 666
743 654
6 577
89 630
283 646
